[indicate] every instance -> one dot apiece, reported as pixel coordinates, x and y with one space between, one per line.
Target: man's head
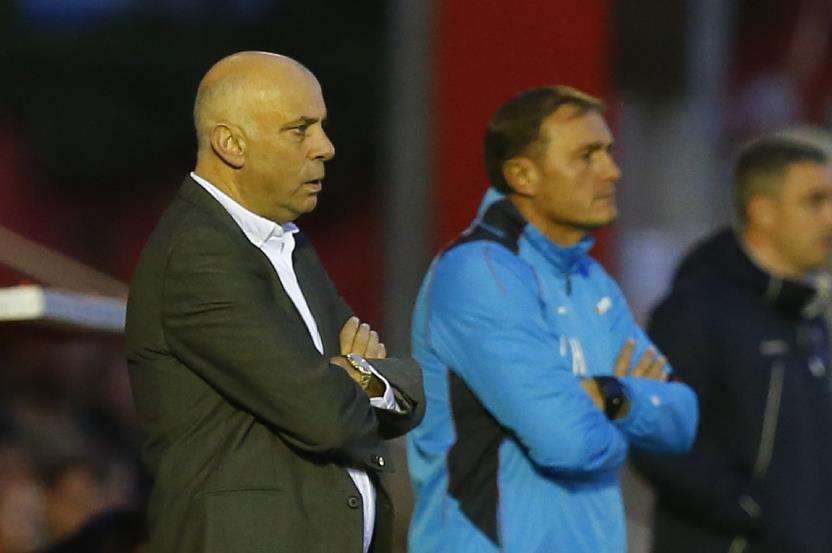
549 149
783 202
259 125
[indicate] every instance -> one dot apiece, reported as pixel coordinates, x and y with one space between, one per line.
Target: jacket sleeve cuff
635 406
388 399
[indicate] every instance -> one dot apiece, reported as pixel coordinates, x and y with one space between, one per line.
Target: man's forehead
304 100
571 125
302 110
809 177
809 170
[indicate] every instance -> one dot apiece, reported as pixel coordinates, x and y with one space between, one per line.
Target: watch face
359 363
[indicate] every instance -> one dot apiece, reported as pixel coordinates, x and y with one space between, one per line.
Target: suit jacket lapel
312 281
193 193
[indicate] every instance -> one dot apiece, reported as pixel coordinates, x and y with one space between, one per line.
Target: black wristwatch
615 398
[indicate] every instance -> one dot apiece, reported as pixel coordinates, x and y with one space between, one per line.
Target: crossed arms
485 321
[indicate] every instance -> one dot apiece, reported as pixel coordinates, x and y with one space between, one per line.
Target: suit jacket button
379 460
353 502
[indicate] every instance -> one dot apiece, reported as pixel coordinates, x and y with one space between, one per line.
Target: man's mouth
314 184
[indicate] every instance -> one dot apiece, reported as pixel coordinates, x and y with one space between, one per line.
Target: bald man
264 402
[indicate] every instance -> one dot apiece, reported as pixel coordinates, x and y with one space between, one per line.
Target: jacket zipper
738 545
775 391
767 435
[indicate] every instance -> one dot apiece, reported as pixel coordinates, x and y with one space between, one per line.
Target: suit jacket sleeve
223 322
405 377
403 374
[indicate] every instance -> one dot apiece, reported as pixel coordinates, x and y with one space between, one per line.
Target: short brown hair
516 125
762 165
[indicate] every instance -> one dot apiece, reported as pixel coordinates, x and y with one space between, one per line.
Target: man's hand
357 337
651 365
591 388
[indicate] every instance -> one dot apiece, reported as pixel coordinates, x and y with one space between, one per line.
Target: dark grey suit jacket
247 428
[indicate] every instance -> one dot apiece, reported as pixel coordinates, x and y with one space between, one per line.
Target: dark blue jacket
759 478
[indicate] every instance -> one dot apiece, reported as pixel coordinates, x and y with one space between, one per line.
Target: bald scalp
233 87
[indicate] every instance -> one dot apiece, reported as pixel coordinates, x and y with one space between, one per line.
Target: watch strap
614 395
362 366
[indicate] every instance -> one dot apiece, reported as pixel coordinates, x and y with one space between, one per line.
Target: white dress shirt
278 242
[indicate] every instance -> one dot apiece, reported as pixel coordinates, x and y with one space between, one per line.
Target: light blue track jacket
512 454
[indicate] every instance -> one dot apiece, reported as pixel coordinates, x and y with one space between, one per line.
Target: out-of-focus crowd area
68 450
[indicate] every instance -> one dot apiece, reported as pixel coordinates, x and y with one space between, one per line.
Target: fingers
625 356
372 346
375 349
362 338
347 335
357 337
657 370
646 361
651 365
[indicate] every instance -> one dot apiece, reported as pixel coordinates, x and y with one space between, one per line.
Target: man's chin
308 204
601 221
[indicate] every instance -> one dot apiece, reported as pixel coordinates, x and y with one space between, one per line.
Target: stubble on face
803 226
285 166
577 173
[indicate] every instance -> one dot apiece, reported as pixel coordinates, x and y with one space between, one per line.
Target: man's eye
587 156
817 201
299 131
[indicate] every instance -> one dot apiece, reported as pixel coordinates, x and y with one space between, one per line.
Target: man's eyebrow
303 121
595 146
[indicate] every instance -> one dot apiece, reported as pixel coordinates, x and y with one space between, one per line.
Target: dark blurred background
96 135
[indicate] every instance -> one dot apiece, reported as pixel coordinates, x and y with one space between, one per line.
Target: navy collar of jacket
721 255
791 296
500 218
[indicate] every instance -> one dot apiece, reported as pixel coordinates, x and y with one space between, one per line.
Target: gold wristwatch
362 366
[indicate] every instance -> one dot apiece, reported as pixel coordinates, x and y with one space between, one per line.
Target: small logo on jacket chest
604 305
774 347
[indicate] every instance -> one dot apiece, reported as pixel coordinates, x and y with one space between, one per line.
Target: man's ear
228 143
521 175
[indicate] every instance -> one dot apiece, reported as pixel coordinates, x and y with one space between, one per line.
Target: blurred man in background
264 424
530 405
740 326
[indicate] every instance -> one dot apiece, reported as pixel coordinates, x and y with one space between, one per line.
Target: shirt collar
256 228
566 259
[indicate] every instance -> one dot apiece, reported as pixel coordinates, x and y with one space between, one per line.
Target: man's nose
323 150
612 172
